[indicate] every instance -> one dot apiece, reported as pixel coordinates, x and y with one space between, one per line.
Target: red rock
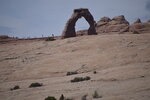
137 21
69 30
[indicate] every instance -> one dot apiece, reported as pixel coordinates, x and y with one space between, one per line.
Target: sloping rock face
140 27
69 30
117 24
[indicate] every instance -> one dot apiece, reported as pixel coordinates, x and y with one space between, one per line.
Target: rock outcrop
140 27
69 30
137 21
103 21
105 25
117 24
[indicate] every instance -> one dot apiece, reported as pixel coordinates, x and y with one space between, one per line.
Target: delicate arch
69 30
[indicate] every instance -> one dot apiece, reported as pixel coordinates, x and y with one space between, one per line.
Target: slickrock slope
122 63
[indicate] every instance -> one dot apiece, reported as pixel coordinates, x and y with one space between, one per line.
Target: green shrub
71 73
50 39
35 85
96 95
78 79
15 87
50 98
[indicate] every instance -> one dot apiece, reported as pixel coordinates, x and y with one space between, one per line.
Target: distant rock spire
137 21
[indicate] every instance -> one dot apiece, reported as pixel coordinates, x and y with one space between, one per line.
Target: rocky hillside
117 66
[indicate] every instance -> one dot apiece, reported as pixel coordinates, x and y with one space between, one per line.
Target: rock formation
137 21
140 27
69 30
103 21
105 25
117 24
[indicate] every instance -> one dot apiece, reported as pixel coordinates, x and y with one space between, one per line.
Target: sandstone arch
69 30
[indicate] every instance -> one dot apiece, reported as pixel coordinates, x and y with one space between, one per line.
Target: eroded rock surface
117 24
140 27
69 30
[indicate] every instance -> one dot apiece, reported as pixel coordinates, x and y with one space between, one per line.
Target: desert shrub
78 79
94 72
15 87
96 95
62 97
35 85
71 73
84 97
136 32
87 78
50 39
50 98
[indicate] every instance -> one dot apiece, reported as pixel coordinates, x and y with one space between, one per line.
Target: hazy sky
34 18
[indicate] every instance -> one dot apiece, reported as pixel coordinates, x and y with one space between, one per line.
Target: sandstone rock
82 32
137 21
117 24
69 30
103 21
119 20
140 27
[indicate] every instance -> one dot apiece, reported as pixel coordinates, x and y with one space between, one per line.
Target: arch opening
69 30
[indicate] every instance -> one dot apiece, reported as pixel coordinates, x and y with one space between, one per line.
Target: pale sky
34 18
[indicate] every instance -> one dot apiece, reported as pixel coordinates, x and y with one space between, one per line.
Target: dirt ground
122 63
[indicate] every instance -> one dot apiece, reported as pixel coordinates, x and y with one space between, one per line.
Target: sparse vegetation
96 95
136 32
50 98
50 39
15 88
71 73
62 97
78 79
94 72
84 97
35 85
